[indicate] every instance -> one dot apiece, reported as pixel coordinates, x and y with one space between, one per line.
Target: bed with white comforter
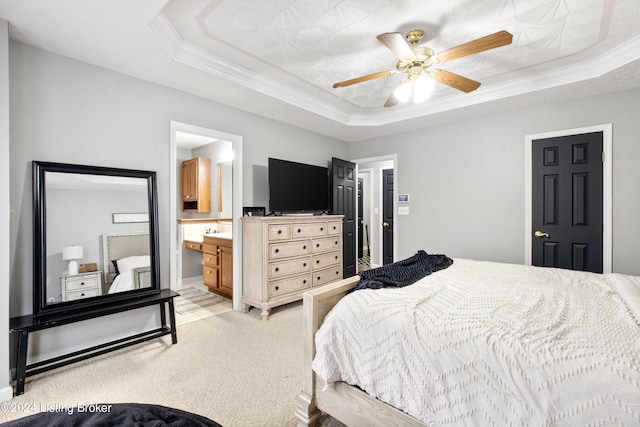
483 343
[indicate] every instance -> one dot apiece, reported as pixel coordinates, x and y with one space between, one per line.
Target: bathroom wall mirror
95 236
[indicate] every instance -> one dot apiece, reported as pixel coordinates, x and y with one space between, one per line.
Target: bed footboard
316 304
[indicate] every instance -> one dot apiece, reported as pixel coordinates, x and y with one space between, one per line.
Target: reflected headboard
120 245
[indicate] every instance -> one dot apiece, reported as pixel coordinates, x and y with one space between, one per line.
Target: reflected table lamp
71 254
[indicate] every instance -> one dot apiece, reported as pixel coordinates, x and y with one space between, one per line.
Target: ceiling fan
419 63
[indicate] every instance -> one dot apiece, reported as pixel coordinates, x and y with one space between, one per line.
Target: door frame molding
236 141
394 159
607 170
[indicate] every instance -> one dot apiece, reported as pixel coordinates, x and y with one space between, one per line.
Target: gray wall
466 179
67 111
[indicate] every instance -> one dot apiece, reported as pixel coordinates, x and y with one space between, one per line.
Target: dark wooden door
343 183
567 202
360 220
387 216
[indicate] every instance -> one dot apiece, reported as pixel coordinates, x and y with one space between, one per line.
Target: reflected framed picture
130 217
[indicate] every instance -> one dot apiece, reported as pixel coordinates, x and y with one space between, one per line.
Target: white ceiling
279 58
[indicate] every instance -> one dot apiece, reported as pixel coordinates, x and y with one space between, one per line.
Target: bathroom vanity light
71 254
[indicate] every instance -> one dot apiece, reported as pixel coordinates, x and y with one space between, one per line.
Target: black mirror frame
40 307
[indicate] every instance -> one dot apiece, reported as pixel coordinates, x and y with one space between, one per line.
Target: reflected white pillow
131 262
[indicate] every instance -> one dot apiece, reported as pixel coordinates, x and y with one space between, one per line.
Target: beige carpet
233 368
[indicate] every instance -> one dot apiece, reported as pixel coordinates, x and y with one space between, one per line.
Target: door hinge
602 156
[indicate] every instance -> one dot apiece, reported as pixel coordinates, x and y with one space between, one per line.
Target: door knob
385 224
539 234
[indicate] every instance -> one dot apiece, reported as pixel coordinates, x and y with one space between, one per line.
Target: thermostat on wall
403 198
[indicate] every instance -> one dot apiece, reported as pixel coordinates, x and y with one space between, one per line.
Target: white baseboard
6 393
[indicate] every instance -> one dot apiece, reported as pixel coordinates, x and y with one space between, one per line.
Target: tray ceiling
280 58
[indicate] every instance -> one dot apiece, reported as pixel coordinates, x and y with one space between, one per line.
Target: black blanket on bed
402 273
112 414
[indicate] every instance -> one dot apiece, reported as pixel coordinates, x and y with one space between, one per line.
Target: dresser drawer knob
317 261
277 250
304 282
304 248
81 283
279 231
304 265
299 230
277 269
277 287
321 228
317 245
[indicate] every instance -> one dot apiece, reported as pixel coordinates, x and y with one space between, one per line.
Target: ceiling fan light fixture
422 87
403 91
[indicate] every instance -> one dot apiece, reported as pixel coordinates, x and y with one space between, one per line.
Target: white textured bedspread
493 344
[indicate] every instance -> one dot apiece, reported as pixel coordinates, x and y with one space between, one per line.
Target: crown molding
196 57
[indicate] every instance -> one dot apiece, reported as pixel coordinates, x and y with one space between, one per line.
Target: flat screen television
297 187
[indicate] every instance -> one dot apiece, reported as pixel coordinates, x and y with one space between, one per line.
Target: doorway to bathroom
195 231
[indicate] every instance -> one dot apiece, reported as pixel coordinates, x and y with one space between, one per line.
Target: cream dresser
283 256
83 285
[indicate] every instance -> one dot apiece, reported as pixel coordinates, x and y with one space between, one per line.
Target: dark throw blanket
112 415
402 273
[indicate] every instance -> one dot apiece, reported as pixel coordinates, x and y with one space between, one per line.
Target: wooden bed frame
346 403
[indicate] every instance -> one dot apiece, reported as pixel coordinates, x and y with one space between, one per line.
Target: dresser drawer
88 293
309 230
286 268
210 259
279 232
289 249
318 262
82 283
280 287
210 276
334 227
325 276
209 248
326 244
193 245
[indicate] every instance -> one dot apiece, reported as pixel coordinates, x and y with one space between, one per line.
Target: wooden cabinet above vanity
196 185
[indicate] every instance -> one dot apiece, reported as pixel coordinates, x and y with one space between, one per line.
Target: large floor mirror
95 236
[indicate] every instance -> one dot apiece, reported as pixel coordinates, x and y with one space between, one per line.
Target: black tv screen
297 187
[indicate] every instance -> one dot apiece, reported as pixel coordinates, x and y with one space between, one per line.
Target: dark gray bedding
113 414
402 273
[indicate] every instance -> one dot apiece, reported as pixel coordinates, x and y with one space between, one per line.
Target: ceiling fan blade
501 38
363 79
456 81
397 44
391 101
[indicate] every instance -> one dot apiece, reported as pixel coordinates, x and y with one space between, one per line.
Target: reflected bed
130 252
